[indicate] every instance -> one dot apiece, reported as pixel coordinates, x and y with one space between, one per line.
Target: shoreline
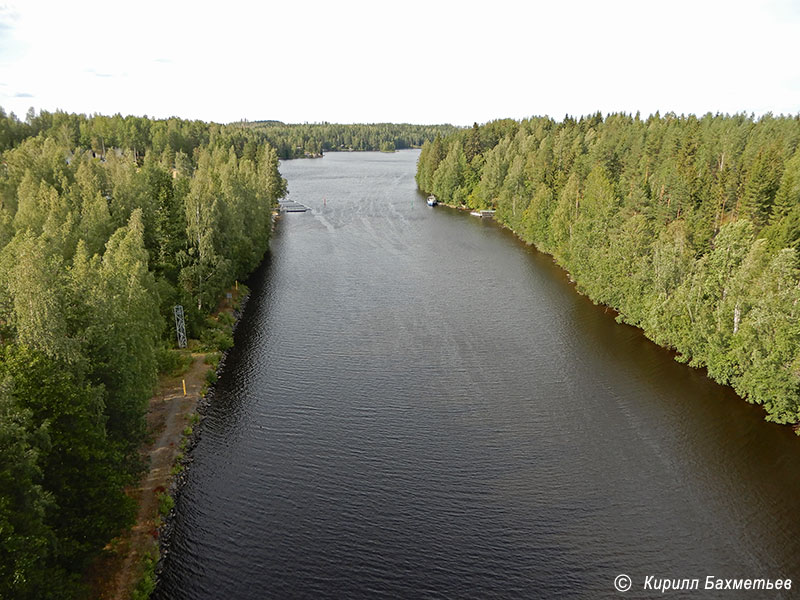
130 563
619 317
190 437
116 575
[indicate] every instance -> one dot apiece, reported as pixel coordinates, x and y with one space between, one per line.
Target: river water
420 406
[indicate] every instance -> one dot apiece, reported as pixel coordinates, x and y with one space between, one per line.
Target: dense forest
172 136
105 224
689 227
294 141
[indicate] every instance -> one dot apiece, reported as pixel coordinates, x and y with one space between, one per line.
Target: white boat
476 213
432 200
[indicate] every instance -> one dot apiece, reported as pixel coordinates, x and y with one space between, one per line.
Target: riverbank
171 413
621 317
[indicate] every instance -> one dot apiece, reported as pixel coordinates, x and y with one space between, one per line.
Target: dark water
419 406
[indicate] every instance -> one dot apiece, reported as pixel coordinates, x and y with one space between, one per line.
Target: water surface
420 406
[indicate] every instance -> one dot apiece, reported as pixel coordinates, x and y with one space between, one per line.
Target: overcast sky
428 61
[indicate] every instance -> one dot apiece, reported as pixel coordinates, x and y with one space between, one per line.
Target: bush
216 336
173 362
147 582
165 503
213 358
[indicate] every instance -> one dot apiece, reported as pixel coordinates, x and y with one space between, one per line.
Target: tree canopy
105 224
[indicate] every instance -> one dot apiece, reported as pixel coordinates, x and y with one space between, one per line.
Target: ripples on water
419 406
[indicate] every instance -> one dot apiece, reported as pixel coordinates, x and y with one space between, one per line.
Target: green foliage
172 362
27 542
311 139
450 175
82 471
431 155
165 503
177 139
226 319
105 224
217 334
212 359
689 227
147 582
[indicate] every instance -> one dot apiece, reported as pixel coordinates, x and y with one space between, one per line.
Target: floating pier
291 206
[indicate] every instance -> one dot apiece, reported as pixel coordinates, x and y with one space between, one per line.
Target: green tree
81 470
120 327
432 154
38 302
26 542
761 186
767 342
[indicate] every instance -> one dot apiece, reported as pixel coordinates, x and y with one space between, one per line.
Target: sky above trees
415 61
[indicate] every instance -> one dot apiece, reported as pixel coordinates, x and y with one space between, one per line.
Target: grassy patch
213 358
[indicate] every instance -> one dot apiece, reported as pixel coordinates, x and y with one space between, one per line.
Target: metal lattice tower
180 326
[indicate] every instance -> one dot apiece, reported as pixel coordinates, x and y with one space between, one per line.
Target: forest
105 224
689 227
295 141
170 136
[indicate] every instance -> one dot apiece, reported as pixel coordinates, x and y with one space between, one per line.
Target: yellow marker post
184 386
237 285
